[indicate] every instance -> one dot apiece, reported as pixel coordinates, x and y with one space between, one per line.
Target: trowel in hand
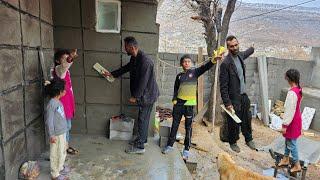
101 70
231 113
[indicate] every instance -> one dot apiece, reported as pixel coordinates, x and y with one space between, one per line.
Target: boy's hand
53 139
174 102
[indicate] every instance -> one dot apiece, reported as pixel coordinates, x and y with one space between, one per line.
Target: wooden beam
200 82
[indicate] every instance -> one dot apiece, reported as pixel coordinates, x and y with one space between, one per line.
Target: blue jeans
69 128
291 146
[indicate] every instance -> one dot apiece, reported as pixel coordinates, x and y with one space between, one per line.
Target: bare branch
226 19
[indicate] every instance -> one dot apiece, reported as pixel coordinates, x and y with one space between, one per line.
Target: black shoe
135 150
235 147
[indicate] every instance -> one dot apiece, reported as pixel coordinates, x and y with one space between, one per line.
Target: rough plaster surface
10 26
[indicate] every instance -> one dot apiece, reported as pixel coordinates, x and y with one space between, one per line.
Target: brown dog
228 170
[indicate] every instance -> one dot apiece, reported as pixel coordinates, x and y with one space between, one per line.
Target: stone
15 154
66 13
191 164
30 6
98 117
35 139
15 3
79 121
77 66
11 113
88 13
10 26
31 64
33 102
30 31
133 12
47 36
46 10
62 38
78 89
48 60
120 135
99 90
110 61
109 42
165 127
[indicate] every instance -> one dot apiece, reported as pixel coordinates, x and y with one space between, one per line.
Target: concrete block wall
25 25
96 99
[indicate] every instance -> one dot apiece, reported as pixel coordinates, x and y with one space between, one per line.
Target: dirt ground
253 160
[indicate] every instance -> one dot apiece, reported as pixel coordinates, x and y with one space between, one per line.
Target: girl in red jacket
292 121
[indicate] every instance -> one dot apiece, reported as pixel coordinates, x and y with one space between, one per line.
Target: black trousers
187 112
243 112
143 124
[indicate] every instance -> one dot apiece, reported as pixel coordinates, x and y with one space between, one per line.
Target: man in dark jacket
233 93
143 88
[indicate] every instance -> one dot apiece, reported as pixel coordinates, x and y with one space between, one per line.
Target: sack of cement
29 170
121 127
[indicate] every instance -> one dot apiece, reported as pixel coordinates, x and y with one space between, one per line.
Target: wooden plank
263 76
200 94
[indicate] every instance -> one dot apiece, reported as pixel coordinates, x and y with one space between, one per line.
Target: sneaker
61 177
134 142
65 171
235 147
167 149
251 145
135 150
185 154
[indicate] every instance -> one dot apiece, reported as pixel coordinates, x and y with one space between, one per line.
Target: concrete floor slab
101 158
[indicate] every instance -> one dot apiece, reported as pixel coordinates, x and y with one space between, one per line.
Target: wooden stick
200 82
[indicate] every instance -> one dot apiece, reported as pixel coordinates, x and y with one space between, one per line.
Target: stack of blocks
164 132
121 128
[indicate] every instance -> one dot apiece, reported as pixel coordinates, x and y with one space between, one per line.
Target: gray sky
285 2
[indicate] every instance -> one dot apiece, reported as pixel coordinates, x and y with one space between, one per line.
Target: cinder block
47 36
79 121
149 43
133 12
33 102
30 31
165 127
67 38
13 2
108 60
120 135
46 10
170 56
163 141
191 164
66 13
77 66
15 153
30 6
99 90
48 58
98 117
110 42
35 139
31 64
10 26
78 89
88 13
121 125
11 113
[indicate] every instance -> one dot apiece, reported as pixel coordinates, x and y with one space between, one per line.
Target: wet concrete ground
101 159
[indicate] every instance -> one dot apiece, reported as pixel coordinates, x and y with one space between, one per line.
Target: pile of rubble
278 108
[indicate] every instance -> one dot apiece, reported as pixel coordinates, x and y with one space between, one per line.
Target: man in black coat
143 88
233 93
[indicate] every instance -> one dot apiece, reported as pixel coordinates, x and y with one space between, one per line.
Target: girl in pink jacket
292 121
63 59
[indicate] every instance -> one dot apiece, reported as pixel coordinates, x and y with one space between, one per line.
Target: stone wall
25 25
276 81
97 99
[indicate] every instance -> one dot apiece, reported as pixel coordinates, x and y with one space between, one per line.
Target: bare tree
216 26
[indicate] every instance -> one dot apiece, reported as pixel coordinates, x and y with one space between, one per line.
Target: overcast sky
285 2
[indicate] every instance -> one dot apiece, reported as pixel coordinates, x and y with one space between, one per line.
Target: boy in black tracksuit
184 98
